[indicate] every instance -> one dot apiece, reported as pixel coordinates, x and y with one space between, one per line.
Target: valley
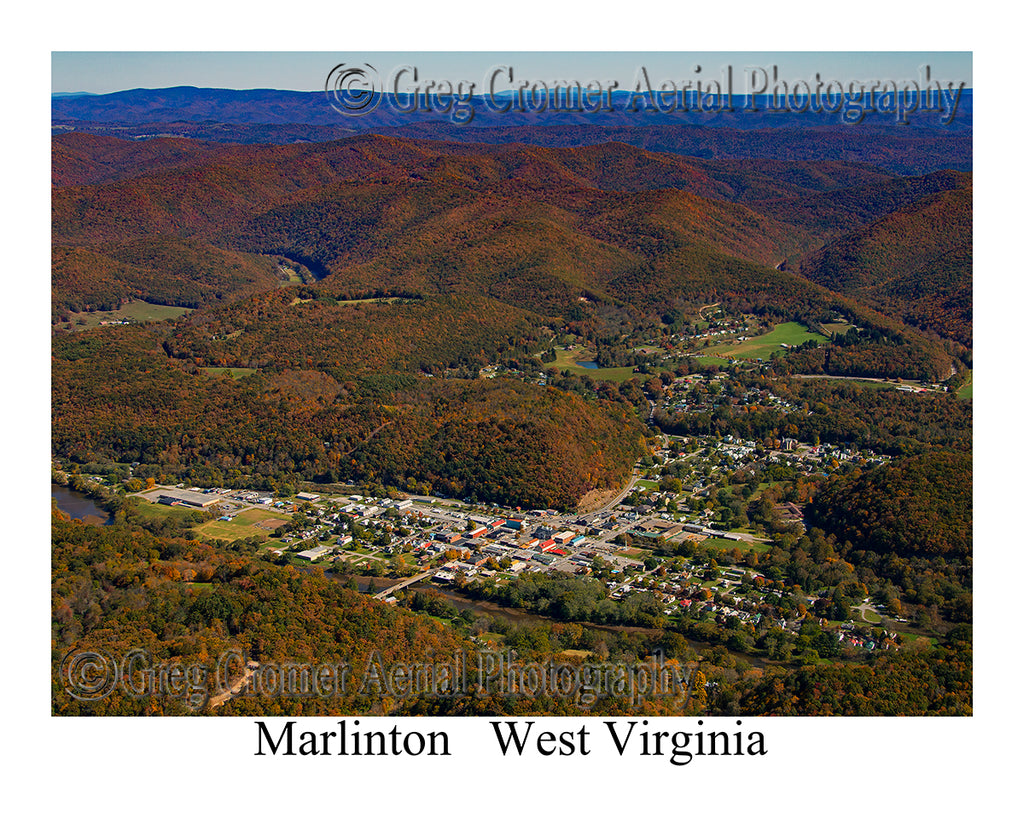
634 395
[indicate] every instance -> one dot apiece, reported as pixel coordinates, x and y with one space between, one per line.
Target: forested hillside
554 230
726 365
915 263
346 412
920 506
160 270
483 252
120 588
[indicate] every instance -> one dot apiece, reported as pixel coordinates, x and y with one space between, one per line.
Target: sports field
244 524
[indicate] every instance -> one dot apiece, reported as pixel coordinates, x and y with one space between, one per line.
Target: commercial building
186 497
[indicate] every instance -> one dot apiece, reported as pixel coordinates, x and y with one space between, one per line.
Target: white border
837 767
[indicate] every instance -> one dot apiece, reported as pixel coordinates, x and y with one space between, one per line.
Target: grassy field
871 385
566 360
867 383
232 372
917 640
760 488
292 274
711 359
136 310
840 327
791 333
242 525
724 545
158 511
966 392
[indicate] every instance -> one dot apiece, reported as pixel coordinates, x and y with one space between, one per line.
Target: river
521 617
78 506
526 618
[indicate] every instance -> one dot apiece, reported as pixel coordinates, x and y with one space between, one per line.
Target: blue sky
106 72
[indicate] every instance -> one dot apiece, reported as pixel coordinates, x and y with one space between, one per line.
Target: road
867 606
237 688
617 499
700 312
917 385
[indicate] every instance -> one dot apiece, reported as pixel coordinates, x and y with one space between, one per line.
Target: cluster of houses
715 330
694 393
461 544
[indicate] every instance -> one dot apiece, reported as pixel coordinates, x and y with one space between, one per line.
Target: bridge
407 582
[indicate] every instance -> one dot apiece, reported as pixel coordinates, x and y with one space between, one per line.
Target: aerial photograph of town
490 385
567 410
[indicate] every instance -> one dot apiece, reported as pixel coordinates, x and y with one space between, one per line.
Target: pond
78 506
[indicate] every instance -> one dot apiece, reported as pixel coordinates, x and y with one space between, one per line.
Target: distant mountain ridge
269 106
286 117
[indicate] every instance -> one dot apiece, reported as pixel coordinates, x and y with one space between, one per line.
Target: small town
676 543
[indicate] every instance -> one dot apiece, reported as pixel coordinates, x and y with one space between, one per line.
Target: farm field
292 274
792 333
134 311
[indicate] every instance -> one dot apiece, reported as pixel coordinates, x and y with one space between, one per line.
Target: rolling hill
509 210
159 269
914 263
483 251
539 227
